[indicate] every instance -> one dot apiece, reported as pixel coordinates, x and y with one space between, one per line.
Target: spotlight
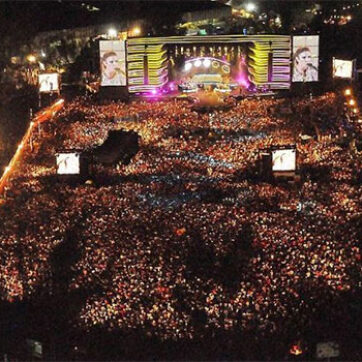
207 63
197 63
136 31
112 33
250 7
188 66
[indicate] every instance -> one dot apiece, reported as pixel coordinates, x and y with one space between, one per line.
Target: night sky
51 15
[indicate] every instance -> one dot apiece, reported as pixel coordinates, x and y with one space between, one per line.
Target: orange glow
40 117
180 232
31 58
347 92
296 350
136 31
352 102
59 102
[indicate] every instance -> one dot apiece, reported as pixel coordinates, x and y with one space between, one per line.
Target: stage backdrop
305 58
342 68
113 62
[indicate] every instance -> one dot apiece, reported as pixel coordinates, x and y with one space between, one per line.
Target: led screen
209 65
48 82
342 68
284 160
113 62
68 164
305 58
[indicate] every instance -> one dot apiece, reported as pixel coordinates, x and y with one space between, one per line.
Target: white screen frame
48 82
68 163
284 160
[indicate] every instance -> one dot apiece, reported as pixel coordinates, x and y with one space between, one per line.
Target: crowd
184 243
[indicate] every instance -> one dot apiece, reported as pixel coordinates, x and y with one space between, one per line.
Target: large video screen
68 163
113 62
342 68
48 82
202 66
284 160
305 58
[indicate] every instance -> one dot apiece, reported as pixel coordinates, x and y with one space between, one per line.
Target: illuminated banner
113 62
305 58
68 163
342 68
48 82
284 160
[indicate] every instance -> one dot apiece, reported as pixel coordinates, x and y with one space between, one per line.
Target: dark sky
59 14
26 18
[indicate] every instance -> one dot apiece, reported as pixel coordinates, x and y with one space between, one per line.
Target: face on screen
304 59
111 63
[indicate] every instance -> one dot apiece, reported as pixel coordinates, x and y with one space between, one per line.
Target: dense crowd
186 240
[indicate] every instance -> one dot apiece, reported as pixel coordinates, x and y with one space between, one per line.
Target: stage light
207 63
188 66
296 350
136 31
112 33
154 91
347 92
197 63
352 102
250 7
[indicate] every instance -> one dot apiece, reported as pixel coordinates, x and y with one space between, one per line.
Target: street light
352 102
347 92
